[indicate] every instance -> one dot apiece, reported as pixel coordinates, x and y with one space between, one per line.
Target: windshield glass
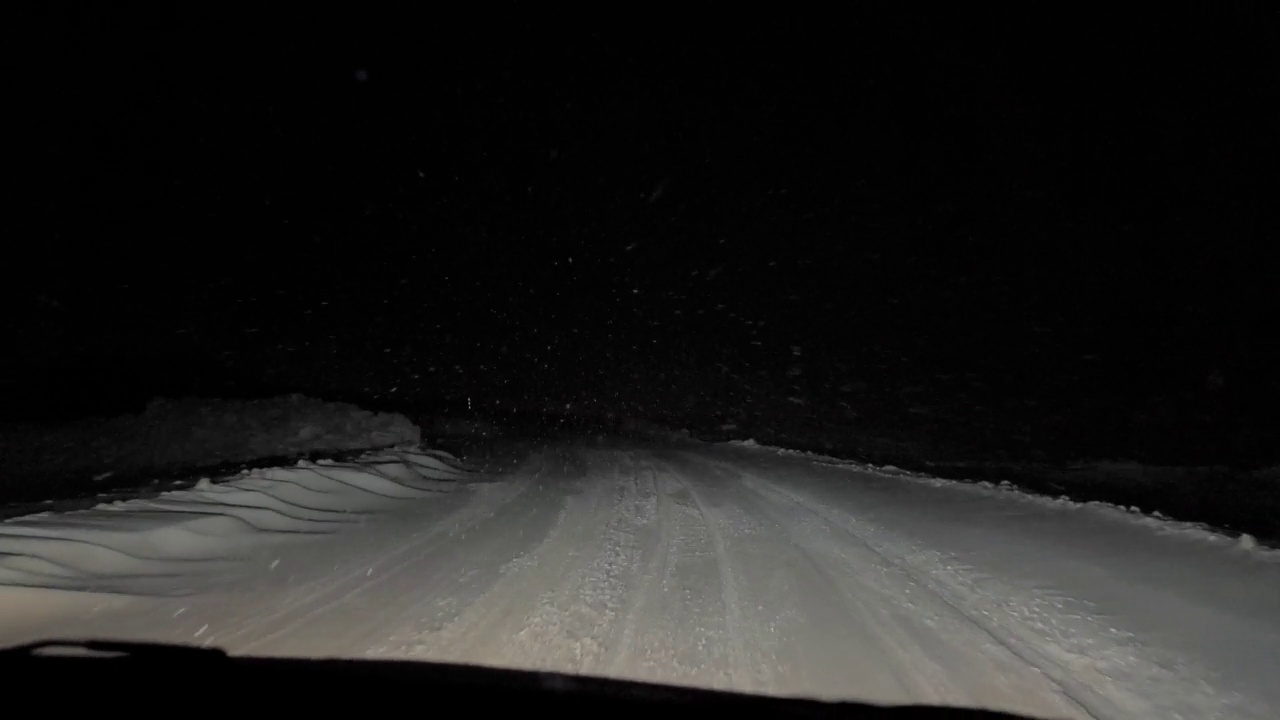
902 357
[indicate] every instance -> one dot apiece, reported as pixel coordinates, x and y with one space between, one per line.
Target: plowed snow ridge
142 546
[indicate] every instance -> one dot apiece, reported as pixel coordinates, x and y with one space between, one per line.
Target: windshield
909 357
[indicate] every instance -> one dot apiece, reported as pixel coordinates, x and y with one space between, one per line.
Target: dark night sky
1053 224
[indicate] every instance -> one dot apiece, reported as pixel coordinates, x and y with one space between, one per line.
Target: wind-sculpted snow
184 539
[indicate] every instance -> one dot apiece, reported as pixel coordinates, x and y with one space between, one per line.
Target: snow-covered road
710 565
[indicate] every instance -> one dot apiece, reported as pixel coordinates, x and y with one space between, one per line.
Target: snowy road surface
710 565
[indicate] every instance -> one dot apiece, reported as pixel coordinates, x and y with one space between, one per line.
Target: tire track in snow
742 673
580 621
815 626
674 630
772 490
323 595
1094 693
556 606
881 631
617 588
656 577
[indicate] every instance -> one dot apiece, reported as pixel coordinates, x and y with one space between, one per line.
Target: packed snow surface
723 566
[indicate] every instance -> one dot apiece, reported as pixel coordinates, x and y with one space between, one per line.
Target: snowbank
186 434
1236 507
140 545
